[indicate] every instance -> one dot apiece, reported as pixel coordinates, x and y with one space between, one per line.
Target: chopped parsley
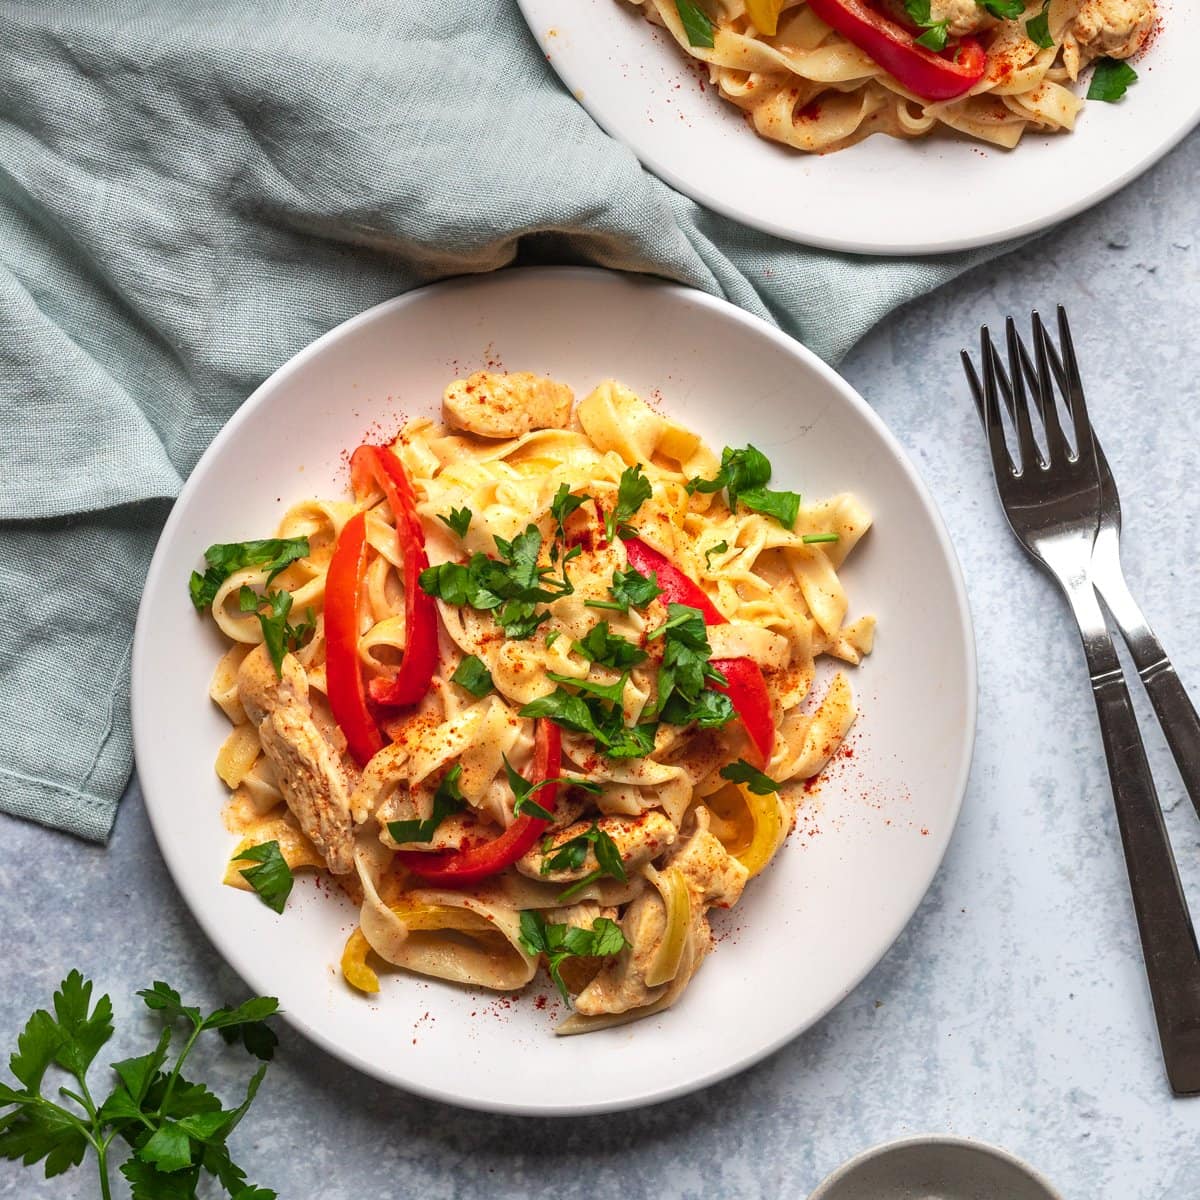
604 723
560 942
572 854
272 878
552 637
563 505
1037 28
473 676
1006 10
512 586
447 800
630 589
459 521
742 772
523 790
744 475
223 559
273 610
719 548
936 32
816 539
607 649
686 669
633 491
612 692
1110 80
696 23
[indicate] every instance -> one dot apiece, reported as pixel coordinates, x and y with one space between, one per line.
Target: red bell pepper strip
458 868
925 73
746 687
343 674
378 465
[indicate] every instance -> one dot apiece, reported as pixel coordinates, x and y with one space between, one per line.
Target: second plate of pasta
539 646
883 126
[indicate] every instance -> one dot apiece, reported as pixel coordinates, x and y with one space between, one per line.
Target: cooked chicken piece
713 874
621 984
1107 29
639 840
506 406
308 770
962 17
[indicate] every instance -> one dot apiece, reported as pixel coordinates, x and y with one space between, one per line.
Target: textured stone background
1013 1009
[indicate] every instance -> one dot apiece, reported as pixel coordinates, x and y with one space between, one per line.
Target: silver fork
1053 507
1172 705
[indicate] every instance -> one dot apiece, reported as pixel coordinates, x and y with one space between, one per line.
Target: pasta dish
820 75
541 692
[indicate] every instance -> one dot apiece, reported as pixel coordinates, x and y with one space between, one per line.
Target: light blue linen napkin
191 191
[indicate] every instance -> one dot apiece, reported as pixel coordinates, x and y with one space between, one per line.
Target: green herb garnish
936 32
1037 28
273 610
742 772
175 1127
743 475
633 491
1006 10
560 942
686 653
272 878
719 548
607 649
223 559
630 589
473 676
696 23
563 505
523 790
572 854
604 723
552 637
816 539
459 521
1110 80
447 800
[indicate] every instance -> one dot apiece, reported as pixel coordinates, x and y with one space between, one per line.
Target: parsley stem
187 1048
102 1165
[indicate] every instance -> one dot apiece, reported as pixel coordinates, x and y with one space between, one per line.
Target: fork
1053 505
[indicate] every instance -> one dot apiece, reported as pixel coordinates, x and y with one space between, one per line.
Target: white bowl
865 850
935 1168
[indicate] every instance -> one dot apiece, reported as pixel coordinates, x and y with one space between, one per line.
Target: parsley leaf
742 772
612 692
473 676
272 878
1006 10
633 491
936 32
560 942
225 558
607 649
935 36
1037 29
696 23
709 710
447 800
459 521
175 1128
572 854
563 505
523 790
279 636
604 723
1110 80
629 589
744 474
686 652
719 548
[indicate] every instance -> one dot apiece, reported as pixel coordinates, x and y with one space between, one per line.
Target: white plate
882 196
849 878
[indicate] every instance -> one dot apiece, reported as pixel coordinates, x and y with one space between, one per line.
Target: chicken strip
1107 29
309 772
497 405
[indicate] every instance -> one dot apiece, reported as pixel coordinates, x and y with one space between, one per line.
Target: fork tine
1002 464
1019 409
1072 385
1056 442
973 383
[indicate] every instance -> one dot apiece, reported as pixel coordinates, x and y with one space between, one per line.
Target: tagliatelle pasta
890 66
617 720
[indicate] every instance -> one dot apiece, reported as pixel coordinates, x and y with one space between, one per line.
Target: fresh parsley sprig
633 490
572 854
607 649
524 791
630 589
743 475
447 800
272 611
604 723
272 878
226 557
936 32
563 505
458 521
1110 80
561 942
177 1129
686 670
742 772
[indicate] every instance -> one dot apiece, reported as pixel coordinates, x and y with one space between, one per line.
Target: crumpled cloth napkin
193 190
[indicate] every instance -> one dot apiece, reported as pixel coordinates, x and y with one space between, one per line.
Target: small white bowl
935 1168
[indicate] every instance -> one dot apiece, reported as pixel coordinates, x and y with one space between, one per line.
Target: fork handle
1169 947
1174 709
